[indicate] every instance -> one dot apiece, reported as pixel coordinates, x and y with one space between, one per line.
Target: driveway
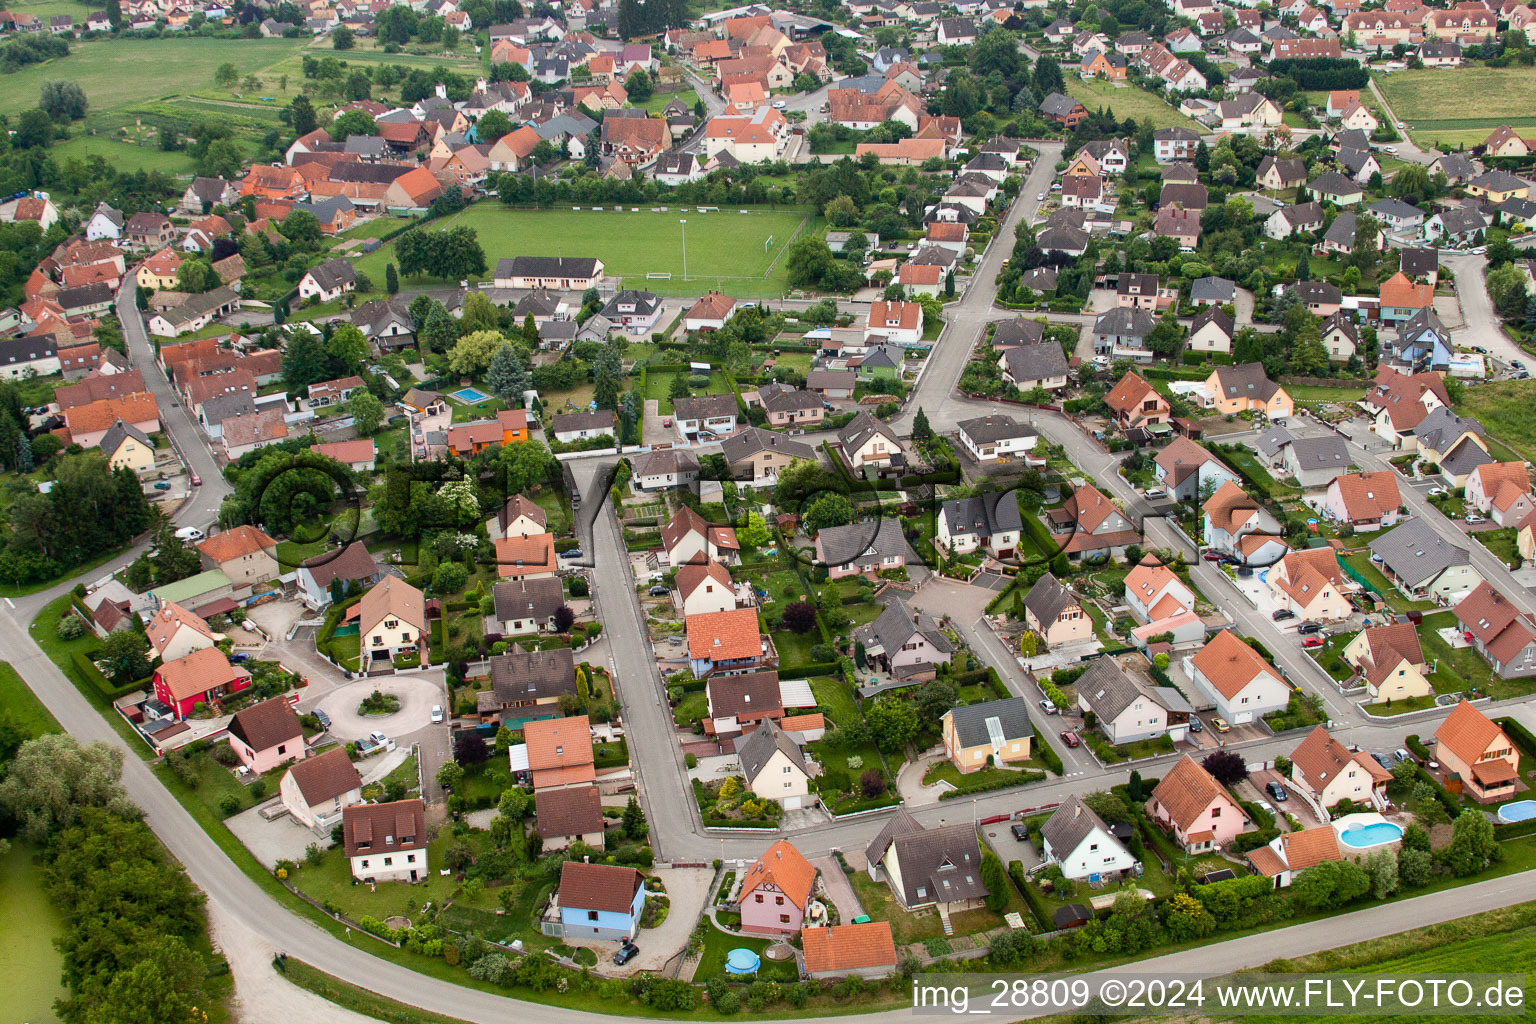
416 694
271 841
839 889
687 889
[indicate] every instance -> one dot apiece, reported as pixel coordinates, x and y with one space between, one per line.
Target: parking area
416 694
282 838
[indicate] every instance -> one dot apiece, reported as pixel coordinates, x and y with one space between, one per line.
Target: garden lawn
1502 543
1361 562
1128 101
26 711
331 882
795 648
123 156
718 944
833 697
880 905
634 244
1457 668
1507 409
117 72
986 778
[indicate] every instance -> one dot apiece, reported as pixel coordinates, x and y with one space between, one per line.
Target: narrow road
1407 149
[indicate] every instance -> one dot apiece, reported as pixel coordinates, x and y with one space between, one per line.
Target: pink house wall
1222 817
260 761
764 916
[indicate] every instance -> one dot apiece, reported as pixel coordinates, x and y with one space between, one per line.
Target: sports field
1436 103
727 249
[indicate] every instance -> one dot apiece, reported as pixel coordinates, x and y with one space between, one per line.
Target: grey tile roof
1125 322
1109 689
521 675
664 461
841 545
742 446
995 428
1443 426
1070 824
119 432
525 599
704 407
864 426
759 745
1212 289
897 624
1330 452
1048 598
983 514
940 864
973 722
1271 441
333 274
1040 361
1416 553
1464 458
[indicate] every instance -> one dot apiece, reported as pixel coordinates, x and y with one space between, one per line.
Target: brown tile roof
803 723
353 563
1467 733
575 811
171 616
325 776
99 386
558 743
688 521
252 427
265 725
1305 573
522 556
1369 495
784 868
384 828
691 576
604 887
1310 847
199 672
1187 790
1391 642
236 543
848 947
1089 507
392 598
1485 613
1399 291
1230 507
1503 482
724 636
518 506
1127 395
1322 758
712 306
99 415
1230 664
751 693
347 452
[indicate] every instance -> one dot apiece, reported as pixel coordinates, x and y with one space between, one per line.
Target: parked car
1195 725
1474 518
1310 642
1435 492
572 553
1308 626
162 486
1214 556
1401 755
197 481
323 718
1244 571
378 737
1156 492
1281 614
658 591
437 714
1040 198
1049 708
779 104
1220 725
626 953
1277 791
1383 760
188 532
1070 739
1019 831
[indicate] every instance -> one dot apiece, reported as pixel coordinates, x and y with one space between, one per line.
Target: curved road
237 901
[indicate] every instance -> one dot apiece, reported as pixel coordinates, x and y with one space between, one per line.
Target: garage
1242 718
793 803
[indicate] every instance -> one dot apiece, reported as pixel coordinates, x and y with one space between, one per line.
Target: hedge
1016 872
1519 734
866 803
1022 778
808 669
1046 754
1417 747
1514 830
94 676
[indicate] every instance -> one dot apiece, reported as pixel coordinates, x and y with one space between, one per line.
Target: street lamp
684 222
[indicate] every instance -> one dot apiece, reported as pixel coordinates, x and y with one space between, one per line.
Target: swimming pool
1361 831
1520 810
471 396
742 961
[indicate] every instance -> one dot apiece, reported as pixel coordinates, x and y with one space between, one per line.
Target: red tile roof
724 636
848 947
1468 733
1230 664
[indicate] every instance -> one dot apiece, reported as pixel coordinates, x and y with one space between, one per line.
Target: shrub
873 783
70 627
259 788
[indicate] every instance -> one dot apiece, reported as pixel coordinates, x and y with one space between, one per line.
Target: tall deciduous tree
53 778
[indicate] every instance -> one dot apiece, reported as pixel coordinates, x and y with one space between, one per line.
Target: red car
1070 739
197 481
1312 641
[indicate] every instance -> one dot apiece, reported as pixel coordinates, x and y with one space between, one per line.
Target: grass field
725 249
1128 101
1435 105
124 156
119 72
1507 410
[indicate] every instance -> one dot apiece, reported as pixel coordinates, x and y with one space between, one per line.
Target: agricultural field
120 72
125 156
1507 409
1128 101
1434 104
726 249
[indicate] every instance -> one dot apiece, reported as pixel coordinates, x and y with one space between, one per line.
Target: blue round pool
1374 834
1520 810
742 961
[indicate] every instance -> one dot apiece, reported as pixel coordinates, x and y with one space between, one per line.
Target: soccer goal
658 275
768 243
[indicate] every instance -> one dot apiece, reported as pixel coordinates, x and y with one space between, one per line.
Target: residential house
773 766
990 522
1212 330
338 569
527 686
318 789
1174 144
127 447
386 842
392 621
908 645
1233 677
1289 220
526 605
328 281
664 469
776 891
1391 662
526 558
1153 592
992 439
1399 402
1501 491
738 703
759 455
1279 174
710 313
1291 853
1314 461
1455 225
895 321
688 538
928 866
1424 565
1311 585
1246 388
558 752
868 443
704 587
1133 403
1091 525
1194 807
635 311
849 950
357 455
993 733
1186 470
566 816
569 427
789 407
200 678
244 554
1125 707
1333 187
1055 614
1236 525
1475 752
1076 839
728 642
174 632
1064 110
1367 501
705 418
1402 299
1121 333
266 735
1500 632
599 902
1040 365
1340 335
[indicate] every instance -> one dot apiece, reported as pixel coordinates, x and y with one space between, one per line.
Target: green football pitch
733 251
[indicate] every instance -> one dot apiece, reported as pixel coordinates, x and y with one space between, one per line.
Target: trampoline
742 961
